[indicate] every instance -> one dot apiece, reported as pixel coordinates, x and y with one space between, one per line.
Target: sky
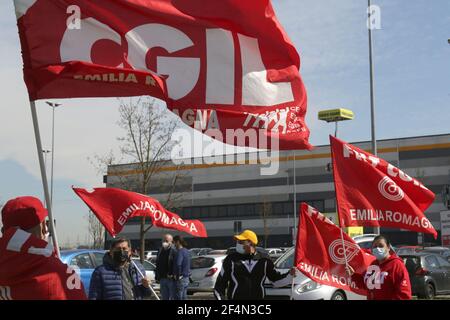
412 93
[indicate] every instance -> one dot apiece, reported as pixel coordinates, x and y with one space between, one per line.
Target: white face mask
165 245
240 248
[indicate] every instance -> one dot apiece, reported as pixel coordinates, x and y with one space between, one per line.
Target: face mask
165 245
120 256
240 248
379 253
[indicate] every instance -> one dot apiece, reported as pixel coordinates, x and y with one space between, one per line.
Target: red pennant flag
113 207
225 67
30 270
319 252
372 192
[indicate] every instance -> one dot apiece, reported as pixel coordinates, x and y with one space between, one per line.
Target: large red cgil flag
225 67
319 252
372 192
113 207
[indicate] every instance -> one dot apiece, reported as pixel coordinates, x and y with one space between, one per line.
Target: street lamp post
53 105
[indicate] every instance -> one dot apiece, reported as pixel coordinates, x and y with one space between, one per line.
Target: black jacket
242 276
165 262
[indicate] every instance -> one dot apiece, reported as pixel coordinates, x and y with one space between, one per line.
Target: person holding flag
386 278
29 267
117 278
244 271
323 252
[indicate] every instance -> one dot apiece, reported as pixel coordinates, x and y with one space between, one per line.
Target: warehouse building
229 198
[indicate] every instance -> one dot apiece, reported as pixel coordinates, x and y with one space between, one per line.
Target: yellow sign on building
351 231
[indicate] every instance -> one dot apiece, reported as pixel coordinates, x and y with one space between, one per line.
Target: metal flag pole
37 135
295 196
142 275
372 91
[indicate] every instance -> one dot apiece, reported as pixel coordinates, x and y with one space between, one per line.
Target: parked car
84 261
365 240
304 287
259 249
429 274
442 251
204 272
217 253
274 253
200 251
151 255
404 250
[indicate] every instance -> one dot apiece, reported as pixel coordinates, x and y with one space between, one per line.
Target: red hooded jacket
388 280
30 270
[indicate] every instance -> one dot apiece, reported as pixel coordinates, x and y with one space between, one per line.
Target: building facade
230 197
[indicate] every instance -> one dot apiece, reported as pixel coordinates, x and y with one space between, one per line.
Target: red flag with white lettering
113 207
219 64
372 192
319 252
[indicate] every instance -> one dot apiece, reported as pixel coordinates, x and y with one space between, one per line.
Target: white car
204 272
306 289
151 255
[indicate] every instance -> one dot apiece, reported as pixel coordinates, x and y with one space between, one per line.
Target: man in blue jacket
117 278
182 267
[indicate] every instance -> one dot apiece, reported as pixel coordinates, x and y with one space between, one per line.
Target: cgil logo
390 190
183 72
336 251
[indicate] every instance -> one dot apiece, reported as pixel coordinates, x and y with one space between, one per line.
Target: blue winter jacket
106 281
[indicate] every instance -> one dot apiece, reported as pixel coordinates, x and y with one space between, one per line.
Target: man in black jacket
164 268
244 271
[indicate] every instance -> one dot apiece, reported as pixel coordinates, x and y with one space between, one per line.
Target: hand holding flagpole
143 276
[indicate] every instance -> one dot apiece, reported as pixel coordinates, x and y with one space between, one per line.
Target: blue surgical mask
379 253
240 248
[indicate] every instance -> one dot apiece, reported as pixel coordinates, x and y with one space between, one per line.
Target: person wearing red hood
386 278
29 267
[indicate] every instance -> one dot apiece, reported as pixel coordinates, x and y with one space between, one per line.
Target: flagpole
44 176
142 275
337 208
372 92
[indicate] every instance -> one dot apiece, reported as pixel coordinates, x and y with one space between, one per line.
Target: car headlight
309 286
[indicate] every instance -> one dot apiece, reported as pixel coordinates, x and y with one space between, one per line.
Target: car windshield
202 262
411 263
286 261
148 266
365 244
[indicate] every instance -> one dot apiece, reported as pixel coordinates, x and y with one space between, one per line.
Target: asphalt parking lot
210 296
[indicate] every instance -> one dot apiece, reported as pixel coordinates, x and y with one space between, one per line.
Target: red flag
319 252
113 207
372 192
30 270
219 64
